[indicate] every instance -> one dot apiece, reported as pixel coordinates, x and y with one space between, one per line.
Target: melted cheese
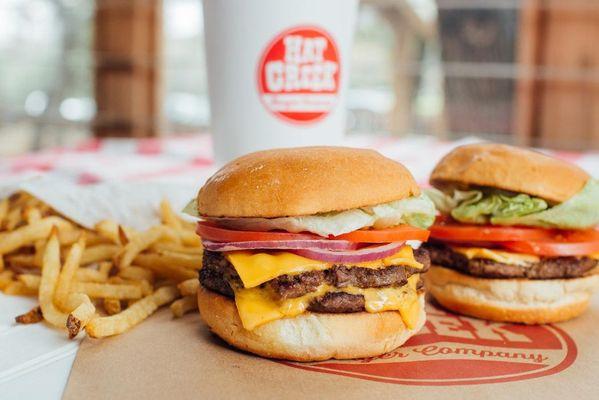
257 306
256 268
504 257
594 256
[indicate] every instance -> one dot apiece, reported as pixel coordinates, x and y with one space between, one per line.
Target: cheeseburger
311 253
517 239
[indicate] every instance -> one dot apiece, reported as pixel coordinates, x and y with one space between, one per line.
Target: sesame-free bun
509 168
309 336
304 181
527 301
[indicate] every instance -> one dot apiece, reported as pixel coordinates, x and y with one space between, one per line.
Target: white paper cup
277 72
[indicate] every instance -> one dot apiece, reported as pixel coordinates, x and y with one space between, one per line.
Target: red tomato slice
396 234
562 244
553 249
487 233
211 232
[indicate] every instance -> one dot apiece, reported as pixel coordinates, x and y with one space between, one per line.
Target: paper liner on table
130 204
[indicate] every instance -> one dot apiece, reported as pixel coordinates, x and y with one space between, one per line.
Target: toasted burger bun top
304 181
509 168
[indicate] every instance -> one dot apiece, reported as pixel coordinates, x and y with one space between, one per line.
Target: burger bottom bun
309 336
525 301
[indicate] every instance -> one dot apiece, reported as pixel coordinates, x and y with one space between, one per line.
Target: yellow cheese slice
257 306
392 299
504 257
256 268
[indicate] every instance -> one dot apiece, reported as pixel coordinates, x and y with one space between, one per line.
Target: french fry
145 286
100 274
90 275
38 257
110 230
169 234
13 219
167 215
32 214
50 272
1 262
75 299
22 261
83 311
184 305
28 234
31 317
161 247
163 266
125 236
60 223
94 239
30 281
130 302
189 287
112 306
72 262
191 261
67 237
119 323
140 242
5 278
20 199
101 252
3 210
188 225
105 268
17 288
136 273
190 238
103 290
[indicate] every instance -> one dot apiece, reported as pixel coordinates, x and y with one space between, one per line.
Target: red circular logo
457 350
298 75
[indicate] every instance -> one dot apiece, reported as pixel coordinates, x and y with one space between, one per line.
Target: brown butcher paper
453 357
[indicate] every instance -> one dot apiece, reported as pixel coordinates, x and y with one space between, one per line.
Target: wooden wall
558 90
128 64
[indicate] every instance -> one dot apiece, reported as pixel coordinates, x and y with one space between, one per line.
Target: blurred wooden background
128 68
542 61
558 90
515 71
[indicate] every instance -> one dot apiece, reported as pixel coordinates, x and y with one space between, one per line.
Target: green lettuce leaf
487 207
505 208
416 211
191 208
579 212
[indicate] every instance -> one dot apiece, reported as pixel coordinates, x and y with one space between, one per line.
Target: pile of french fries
103 281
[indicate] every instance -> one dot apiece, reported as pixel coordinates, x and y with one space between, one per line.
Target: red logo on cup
456 350
298 75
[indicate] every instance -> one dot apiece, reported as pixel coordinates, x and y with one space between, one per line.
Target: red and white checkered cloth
188 159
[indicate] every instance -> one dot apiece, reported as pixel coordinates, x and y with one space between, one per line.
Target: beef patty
546 268
218 275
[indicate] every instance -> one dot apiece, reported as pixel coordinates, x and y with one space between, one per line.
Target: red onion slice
351 256
317 244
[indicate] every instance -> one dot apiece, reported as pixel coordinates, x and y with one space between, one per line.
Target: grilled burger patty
218 274
546 268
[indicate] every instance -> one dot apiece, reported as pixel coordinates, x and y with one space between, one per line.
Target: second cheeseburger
308 253
517 241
